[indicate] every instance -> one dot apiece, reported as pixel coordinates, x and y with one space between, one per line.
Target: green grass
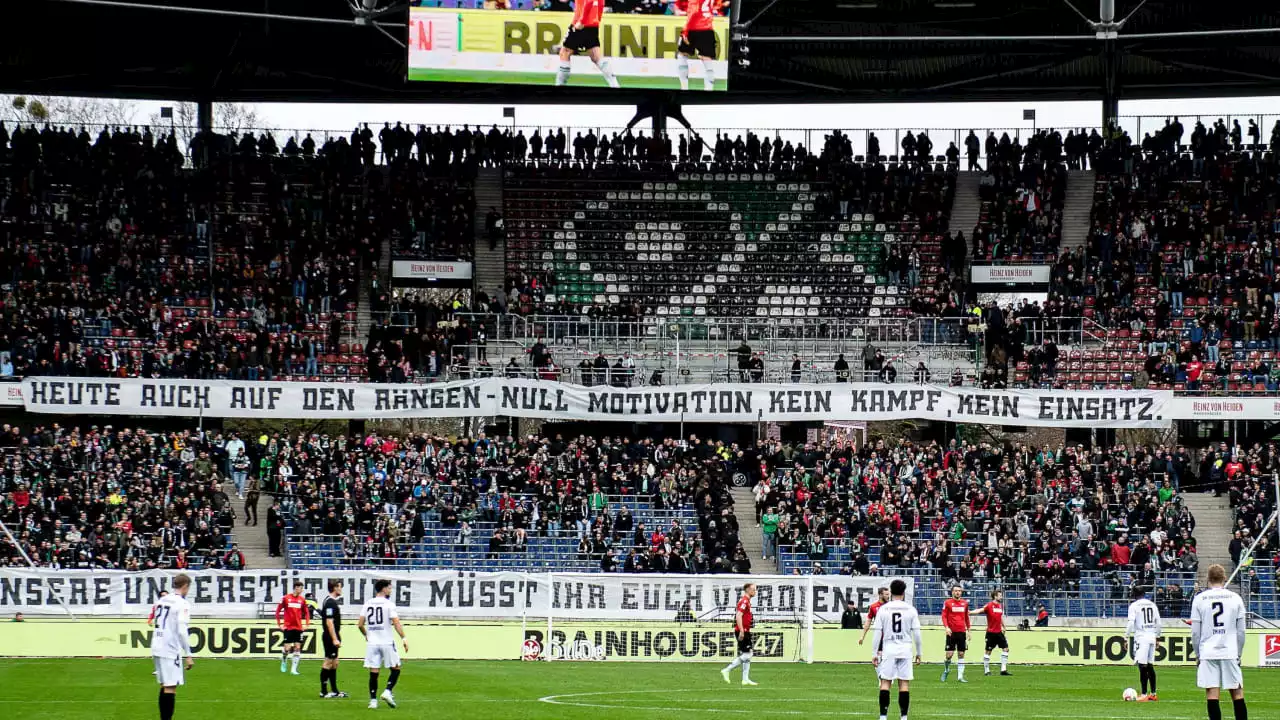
589 78
252 689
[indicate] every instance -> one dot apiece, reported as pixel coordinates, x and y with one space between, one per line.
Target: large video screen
583 43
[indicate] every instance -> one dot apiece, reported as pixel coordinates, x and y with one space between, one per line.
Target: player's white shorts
380 656
169 671
1223 674
896 669
1144 652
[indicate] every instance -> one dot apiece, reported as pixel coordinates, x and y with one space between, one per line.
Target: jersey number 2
1218 609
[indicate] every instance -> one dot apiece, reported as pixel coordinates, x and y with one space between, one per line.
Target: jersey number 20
373 615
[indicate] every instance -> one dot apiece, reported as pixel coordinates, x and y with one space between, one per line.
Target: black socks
395 676
1242 713
167 701
373 686
1215 710
329 680
904 702
884 703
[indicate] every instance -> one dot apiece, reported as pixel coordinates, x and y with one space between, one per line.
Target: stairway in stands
1214 521
381 271
966 206
1077 214
749 534
490 265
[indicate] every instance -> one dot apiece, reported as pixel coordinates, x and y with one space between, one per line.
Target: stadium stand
115 498
541 503
1039 520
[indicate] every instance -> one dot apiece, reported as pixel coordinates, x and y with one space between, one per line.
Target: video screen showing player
632 44
699 39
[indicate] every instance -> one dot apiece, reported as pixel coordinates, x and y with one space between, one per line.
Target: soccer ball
1130 695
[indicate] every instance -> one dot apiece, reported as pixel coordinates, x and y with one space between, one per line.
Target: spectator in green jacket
769 527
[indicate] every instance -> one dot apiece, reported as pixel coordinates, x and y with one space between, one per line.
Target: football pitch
252 689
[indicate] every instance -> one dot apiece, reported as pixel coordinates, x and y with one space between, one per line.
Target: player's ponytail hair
1217 575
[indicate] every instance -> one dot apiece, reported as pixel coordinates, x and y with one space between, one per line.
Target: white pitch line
568 700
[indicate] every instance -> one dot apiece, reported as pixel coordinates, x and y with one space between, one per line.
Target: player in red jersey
293 615
955 618
871 613
994 611
742 624
584 37
699 39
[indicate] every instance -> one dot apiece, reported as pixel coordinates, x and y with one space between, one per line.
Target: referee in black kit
331 613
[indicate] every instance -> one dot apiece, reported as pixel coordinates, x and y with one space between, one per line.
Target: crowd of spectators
1023 192
121 498
1180 259
383 495
980 512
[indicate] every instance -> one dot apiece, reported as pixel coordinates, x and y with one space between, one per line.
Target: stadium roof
116 48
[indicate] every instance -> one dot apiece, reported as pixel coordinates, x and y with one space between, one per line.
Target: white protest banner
442 593
730 402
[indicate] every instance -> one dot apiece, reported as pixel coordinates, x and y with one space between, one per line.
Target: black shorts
997 640
582 40
957 641
700 43
330 650
746 643
292 637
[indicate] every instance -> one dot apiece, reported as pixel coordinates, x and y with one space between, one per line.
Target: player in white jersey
1217 631
171 644
897 640
1145 628
377 620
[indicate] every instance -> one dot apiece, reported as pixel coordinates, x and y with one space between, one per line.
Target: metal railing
694 328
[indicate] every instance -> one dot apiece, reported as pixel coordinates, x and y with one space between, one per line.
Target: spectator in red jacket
1120 552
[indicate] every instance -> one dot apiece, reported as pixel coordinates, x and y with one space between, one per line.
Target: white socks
609 77
295 657
562 75
960 668
742 661
1004 661
708 74
986 663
